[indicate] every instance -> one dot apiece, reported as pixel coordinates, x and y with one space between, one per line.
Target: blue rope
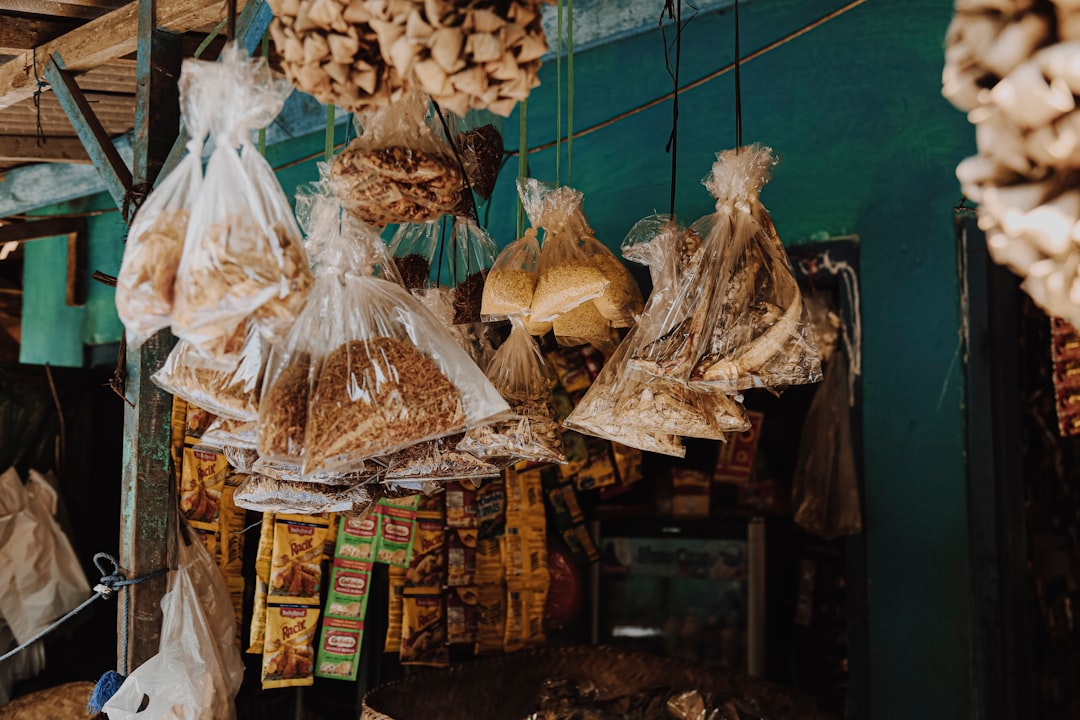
112 580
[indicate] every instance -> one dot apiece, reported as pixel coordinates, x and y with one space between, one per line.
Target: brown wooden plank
78 250
22 33
35 229
52 8
106 38
25 149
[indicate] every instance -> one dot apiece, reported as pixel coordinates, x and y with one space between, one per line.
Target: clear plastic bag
225 433
243 255
479 340
825 493
386 376
339 244
621 301
267 494
473 254
228 388
414 246
440 459
512 281
584 325
519 373
481 150
197 670
155 242
596 413
738 319
566 276
362 472
398 170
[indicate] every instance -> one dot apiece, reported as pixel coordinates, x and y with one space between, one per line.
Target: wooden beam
36 229
149 494
106 38
25 149
22 33
78 250
52 8
98 146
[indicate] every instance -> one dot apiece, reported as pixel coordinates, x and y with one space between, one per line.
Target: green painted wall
867 147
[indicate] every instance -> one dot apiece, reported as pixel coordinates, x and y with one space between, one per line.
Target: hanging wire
738 83
41 139
673 10
451 138
523 160
558 91
569 92
328 145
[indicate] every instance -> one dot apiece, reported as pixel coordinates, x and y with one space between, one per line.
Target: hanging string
209 39
673 10
558 91
569 92
451 138
328 145
523 160
738 83
41 140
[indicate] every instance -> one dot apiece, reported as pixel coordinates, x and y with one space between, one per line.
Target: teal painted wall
867 147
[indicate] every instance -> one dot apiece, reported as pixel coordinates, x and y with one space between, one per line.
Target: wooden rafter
105 38
25 149
53 8
35 229
18 34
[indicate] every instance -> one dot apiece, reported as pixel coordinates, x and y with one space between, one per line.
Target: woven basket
63 702
506 687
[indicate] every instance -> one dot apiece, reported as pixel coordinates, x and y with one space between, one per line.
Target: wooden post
148 499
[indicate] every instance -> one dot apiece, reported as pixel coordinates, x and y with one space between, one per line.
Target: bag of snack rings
243 255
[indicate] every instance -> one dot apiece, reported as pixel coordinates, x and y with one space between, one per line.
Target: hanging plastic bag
266 494
243 254
478 339
595 413
520 375
338 243
566 276
512 281
473 253
625 396
584 325
225 433
386 376
155 241
621 301
825 494
397 170
481 150
228 388
197 670
414 247
40 576
440 459
738 319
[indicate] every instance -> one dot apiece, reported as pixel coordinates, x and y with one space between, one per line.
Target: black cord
673 9
231 27
41 139
457 156
738 83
